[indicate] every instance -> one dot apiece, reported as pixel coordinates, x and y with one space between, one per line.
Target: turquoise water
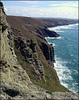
66 55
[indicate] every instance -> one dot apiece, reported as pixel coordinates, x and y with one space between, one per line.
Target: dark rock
2 62
28 50
33 46
40 67
14 79
28 42
32 95
47 33
12 92
1 4
48 52
15 67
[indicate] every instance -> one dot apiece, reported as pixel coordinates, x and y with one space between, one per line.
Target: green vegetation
51 82
34 56
48 92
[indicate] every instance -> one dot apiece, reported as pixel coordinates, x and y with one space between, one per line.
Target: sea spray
66 55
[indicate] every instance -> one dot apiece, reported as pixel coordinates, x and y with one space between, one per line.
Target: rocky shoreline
54 22
27 61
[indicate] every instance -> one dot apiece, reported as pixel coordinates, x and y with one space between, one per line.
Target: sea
66 55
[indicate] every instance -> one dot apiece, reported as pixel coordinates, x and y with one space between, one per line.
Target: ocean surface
66 55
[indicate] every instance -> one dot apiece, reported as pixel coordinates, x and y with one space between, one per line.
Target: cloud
60 12
68 4
30 2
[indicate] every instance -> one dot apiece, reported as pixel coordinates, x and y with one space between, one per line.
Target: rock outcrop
20 54
53 22
47 33
15 83
28 50
48 52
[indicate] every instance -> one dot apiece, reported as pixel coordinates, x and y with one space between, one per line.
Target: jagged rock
32 46
10 37
48 52
28 50
3 18
15 83
28 42
47 33
40 66
65 95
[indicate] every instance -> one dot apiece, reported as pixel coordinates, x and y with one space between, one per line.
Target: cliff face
29 51
53 22
26 59
33 29
29 27
48 52
33 53
15 83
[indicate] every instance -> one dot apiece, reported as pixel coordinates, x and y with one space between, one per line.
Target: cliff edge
27 61
15 83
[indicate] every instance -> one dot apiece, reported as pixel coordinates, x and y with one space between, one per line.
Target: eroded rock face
48 52
47 33
14 83
3 18
28 50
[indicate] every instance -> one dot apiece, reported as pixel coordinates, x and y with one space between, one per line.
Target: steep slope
38 63
15 83
52 22
27 59
36 57
29 27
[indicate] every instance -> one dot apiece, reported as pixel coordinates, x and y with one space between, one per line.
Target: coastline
54 48
23 61
51 28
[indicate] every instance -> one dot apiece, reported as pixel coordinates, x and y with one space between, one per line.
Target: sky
52 9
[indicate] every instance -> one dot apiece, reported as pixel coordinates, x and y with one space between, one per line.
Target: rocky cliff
53 22
29 51
26 61
33 29
15 83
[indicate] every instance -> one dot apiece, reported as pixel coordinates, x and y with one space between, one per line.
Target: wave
70 26
64 74
53 44
73 88
61 70
53 37
67 70
48 38
75 71
59 31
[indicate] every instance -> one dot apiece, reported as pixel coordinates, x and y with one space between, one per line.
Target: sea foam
63 27
66 56
53 37
64 74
